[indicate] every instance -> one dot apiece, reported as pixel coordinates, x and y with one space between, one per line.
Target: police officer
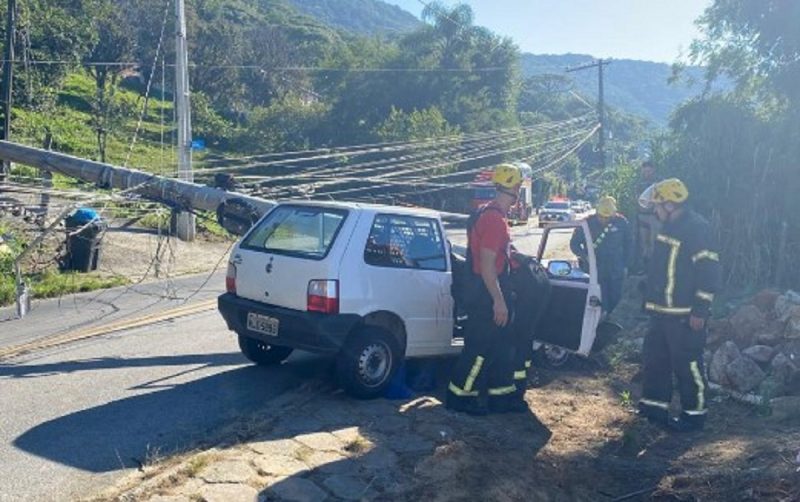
682 279
612 242
482 377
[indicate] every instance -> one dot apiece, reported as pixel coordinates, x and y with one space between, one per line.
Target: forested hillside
268 79
642 88
366 17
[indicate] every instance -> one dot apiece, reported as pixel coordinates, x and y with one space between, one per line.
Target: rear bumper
311 331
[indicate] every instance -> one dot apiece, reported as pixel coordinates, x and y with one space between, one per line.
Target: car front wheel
263 353
367 362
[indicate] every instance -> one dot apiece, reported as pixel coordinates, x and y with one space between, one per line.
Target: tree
754 41
51 30
115 43
738 152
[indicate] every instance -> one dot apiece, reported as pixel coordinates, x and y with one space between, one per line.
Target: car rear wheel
263 353
367 362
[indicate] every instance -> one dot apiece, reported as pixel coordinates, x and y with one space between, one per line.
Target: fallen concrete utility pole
179 194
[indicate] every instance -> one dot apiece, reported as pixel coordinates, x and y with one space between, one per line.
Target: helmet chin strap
508 192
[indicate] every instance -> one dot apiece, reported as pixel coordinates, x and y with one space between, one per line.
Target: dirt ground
580 441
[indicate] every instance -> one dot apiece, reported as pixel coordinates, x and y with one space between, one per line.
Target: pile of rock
756 350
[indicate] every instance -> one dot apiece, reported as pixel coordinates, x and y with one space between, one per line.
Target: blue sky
653 30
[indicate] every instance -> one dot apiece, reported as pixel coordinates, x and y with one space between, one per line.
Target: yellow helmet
671 190
607 206
507 176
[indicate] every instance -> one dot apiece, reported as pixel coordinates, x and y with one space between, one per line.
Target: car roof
363 206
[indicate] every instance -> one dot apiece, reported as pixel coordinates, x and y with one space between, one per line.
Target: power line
421 153
54 62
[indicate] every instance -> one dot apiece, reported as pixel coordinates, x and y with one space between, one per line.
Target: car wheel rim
556 356
374 364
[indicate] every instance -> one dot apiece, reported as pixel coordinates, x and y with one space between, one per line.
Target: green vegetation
641 88
366 17
738 150
47 283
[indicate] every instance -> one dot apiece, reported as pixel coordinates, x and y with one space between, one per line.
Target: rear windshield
557 205
297 230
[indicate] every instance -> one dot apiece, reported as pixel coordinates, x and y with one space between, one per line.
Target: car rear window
557 205
297 230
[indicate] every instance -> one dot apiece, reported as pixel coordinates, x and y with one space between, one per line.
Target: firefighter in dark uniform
682 279
531 288
613 245
482 377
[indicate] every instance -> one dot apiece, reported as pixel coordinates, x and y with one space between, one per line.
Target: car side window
398 241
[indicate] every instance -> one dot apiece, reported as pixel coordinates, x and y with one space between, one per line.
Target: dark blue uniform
612 249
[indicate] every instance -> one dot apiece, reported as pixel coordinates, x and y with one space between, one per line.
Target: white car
371 285
556 211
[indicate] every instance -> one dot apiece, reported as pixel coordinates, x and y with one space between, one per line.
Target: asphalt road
76 417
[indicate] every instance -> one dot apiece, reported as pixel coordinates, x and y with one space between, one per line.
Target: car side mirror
559 268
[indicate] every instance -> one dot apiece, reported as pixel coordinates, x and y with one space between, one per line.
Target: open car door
574 310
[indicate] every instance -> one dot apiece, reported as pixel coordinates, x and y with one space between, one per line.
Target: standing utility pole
601 105
8 79
184 221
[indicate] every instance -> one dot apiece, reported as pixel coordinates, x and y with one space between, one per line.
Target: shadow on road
105 363
132 431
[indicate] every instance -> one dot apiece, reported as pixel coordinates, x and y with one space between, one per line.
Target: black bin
84 243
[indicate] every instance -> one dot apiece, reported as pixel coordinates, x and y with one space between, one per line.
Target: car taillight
323 296
230 279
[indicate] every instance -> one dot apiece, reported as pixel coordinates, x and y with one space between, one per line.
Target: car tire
262 353
367 362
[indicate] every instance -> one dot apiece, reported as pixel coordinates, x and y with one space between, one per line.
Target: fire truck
483 191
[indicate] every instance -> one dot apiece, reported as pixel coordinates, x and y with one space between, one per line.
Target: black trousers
672 347
532 291
483 370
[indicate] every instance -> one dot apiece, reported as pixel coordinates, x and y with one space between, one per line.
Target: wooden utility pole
8 79
601 105
184 221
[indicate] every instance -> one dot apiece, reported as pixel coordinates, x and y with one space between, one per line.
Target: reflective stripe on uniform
520 375
458 391
657 404
527 364
675 247
705 295
705 255
602 236
502 391
667 310
695 413
473 374
701 387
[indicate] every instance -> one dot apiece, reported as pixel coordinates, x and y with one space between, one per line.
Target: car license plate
262 324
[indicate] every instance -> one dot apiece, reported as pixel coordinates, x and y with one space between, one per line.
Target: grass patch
52 284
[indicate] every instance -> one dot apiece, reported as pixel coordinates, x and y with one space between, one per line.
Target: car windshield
297 230
557 205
